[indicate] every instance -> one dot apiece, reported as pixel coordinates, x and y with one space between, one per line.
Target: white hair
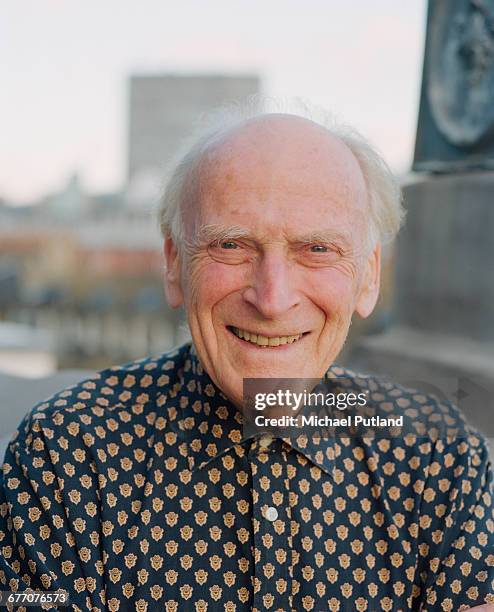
384 194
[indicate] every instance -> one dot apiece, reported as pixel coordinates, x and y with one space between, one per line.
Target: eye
228 244
230 251
318 255
319 248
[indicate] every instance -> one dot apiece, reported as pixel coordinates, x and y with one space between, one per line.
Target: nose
272 290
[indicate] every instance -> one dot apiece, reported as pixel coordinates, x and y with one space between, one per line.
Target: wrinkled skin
276 182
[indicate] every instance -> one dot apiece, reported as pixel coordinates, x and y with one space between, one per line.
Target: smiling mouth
264 341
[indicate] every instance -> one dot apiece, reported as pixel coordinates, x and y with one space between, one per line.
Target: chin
275 371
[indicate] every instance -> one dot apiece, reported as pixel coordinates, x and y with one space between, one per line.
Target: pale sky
65 63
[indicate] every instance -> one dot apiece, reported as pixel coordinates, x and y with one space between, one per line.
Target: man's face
277 259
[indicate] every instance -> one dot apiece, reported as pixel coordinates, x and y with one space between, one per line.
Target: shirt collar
211 424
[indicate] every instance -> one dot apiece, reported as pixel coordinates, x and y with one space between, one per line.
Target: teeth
264 340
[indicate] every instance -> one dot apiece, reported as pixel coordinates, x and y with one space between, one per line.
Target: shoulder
145 383
433 425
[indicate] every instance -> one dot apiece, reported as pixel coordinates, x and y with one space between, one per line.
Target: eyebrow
325 235
217 232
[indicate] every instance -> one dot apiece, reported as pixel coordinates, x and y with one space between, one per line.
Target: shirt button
271 513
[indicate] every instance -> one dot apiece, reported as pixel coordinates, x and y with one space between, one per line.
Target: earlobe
172 279
369 290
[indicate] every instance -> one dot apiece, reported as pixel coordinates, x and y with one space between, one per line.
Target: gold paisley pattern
136 490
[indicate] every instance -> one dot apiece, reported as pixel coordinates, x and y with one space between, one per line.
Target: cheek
333 291
210 282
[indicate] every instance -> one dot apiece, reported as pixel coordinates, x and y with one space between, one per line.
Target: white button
271 513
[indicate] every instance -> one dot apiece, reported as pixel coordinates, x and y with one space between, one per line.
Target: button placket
271 525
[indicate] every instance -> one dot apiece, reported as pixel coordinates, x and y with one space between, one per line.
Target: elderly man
139 489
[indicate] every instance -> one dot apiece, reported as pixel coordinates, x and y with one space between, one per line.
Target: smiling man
277 251
140 489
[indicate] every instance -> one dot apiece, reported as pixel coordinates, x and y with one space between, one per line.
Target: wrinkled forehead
280 154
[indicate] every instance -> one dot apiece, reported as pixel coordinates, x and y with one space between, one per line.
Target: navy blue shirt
136 490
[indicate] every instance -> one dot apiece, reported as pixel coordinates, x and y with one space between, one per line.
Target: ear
369 288
173 285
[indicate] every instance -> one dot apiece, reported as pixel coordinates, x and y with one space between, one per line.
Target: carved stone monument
442 334
456 119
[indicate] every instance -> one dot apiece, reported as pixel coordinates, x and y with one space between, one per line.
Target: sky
65 68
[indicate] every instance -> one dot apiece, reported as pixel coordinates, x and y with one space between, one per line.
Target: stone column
442 332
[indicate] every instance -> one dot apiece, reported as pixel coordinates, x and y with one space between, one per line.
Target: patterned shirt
136 490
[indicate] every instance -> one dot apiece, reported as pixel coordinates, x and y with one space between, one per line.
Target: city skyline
69 66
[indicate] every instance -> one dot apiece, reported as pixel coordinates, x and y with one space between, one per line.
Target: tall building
163 109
